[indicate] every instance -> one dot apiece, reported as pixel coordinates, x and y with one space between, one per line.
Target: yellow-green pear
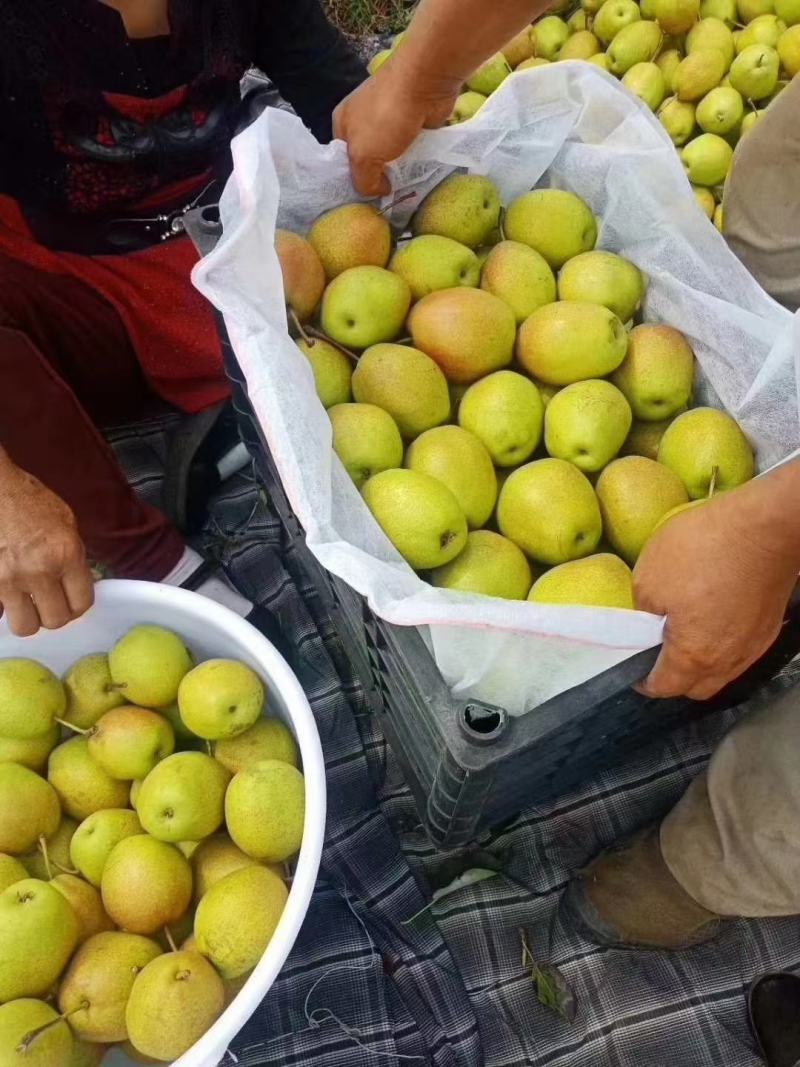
699 73
98 982
765 29
677 16
146 884
613 16
147 665
581 45
86 1054
519 276
668 62
430 262
490 564
265 809
352 235
52 854
569 341
366 439
466 106
266 739
717 220
302 272
634 493
404 382
29 809
92 842
363 306
705 200
90 690
173 1002
707 159
505 412
637 43
721 111
789 49
378 60
128 742
644 438
657 374
602 581
459 460
331 368
678 119
788 11
751 9
603 278
549 34
577 21
81 784
536 61
591 7
548 509
38 934
85 901
600 60
419 515
705 444
490 75
586 423
468 332
31 697
182 798
464 207
31 752
214 859
11 870
519 48
754 72
724 10
646 81
33 1034
557 224
220 698
237 917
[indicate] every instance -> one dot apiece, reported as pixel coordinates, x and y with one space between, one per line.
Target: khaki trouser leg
733 840
761 208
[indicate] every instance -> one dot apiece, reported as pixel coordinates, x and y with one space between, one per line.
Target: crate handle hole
483 724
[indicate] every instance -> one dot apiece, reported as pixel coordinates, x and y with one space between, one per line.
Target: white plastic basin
209 630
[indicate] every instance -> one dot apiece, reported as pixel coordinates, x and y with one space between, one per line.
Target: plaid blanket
364 986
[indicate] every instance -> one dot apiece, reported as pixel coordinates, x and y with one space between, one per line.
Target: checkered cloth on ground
361 988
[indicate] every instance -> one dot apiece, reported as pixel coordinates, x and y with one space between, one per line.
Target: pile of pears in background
141 859
707 68
510 428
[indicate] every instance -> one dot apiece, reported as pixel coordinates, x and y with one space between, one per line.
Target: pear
600 581
657 374
721 111
677 16
788 11
751 9
557 224
85 901
331 368
765 29
464 207
678 119
11 870
754 72
668 62
467 104
378 60
214 859
38 934
587 423
128 742
634 493
266 739
717 220
520 47
577 21
303 273
86 1054
90 690
237 917
30 809
430 262
549 34
549 510
264 810
637 43
460 461
31 697
600 60
490 75
505 412
490 564
614 16
366 440
530 64
581 45
98 982
789 50
365 305
353 235
591 7
184 738
603 278
147 665
175 998
698 74
52 853
705 444
569 341
705 200
32 1034
81 784
519 276
724 10
707 159
146 884
96 836
182 797
220 698
468 332
404 382
646 81
32 752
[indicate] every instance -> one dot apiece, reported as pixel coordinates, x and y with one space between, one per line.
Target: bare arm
446 41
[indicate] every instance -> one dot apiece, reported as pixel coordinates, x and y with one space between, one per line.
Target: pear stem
43 850
31 1036
64 870
73 727
397 202
712 485
500 221
298 325
209 749
324 337
170 939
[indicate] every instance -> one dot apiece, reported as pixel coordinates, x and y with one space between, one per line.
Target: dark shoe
773 1005
627 898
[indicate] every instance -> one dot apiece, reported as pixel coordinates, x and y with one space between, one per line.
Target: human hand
44 577
723 581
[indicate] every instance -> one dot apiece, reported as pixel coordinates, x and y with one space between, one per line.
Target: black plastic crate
471 765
